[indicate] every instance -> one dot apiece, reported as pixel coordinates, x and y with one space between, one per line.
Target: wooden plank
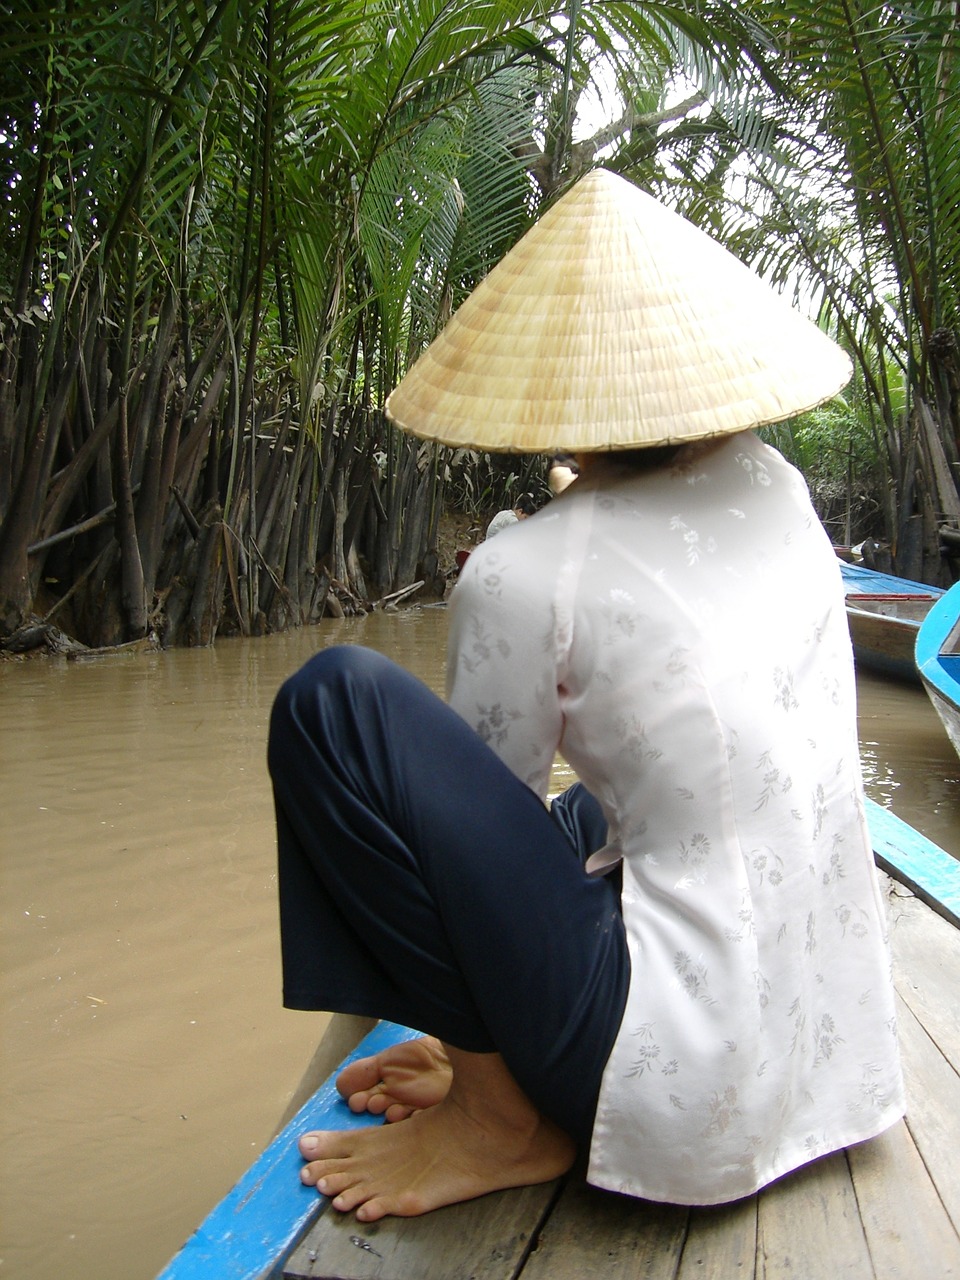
484 1239
269 1209
933 1109
926 966
809 1226
721 1243
597 1233
908 1231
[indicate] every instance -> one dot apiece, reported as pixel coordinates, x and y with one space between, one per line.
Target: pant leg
580 818
421 881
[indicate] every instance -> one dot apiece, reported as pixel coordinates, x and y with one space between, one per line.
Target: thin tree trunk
131 567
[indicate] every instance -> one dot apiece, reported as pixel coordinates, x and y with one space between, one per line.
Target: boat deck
887 1209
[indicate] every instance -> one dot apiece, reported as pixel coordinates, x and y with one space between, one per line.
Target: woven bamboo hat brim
614 323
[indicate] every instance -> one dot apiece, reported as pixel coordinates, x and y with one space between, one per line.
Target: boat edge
251 1232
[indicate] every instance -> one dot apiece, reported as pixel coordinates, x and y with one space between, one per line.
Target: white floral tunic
680 637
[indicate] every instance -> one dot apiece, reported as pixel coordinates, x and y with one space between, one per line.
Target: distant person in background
525 507
562 472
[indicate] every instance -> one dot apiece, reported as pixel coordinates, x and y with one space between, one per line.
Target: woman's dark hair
658 455
525 504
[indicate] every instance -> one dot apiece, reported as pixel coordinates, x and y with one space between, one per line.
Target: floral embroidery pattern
773 783
819 809
635 741
694 855
693 977
648 1055
850 916
799 1022
834 872
755 469
825 1039
811 943
694 546
763 989
493 724
768 865
621 615
723 1110
677 668
745 927
482 647
785 697
872 1093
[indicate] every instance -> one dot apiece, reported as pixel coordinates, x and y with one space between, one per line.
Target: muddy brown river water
145 1057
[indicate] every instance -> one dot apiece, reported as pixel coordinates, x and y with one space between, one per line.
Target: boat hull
884 614
949 714
884 633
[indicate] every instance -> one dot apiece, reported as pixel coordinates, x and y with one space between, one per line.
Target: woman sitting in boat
706 1004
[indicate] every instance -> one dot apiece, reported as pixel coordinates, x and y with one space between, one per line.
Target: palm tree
846 187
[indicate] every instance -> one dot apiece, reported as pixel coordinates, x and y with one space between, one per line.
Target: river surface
145 1056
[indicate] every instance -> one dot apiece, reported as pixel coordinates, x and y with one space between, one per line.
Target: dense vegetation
230 225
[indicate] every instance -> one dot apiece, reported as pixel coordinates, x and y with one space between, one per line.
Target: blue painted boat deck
251 1233
926 869
858 578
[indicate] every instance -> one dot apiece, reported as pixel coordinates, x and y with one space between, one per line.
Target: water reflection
909 763
145 1054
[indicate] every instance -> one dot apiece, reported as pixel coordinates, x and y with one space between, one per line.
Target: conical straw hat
613 324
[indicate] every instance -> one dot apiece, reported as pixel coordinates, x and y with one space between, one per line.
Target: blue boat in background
884 613
938 660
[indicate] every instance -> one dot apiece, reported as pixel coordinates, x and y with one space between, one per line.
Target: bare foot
398 1081
483 1136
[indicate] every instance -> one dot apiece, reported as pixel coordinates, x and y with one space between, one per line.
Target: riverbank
41 637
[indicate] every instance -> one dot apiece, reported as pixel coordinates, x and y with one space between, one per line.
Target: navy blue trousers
420 881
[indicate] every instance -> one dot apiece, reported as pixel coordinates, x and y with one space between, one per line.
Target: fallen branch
94 522
391 601
35 634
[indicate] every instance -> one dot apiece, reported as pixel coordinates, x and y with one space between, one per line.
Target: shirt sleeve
502 667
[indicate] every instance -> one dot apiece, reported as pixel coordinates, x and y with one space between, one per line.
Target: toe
329 1182
354 1196
358 1076
308 1144
397 1111
331 1144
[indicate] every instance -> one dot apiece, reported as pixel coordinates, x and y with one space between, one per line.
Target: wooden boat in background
938 660
884 614
889 1207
